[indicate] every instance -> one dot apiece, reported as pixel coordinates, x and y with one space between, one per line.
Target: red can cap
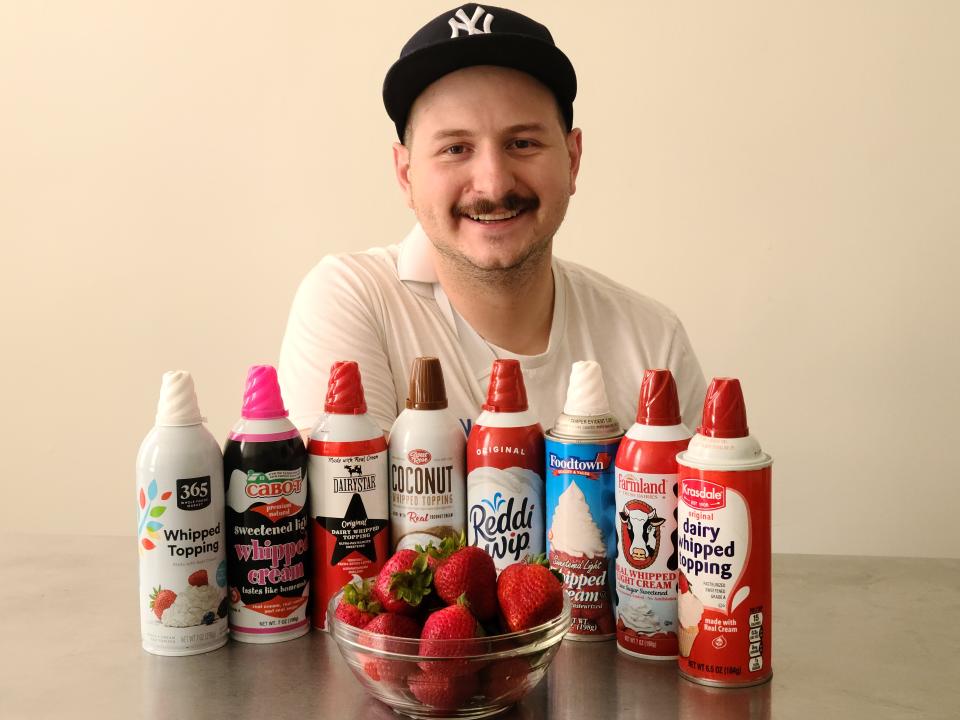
345 390
658 399
724 412
506 392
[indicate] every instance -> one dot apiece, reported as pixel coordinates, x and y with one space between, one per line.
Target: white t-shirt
385 307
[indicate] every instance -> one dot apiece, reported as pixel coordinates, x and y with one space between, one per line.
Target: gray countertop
854 637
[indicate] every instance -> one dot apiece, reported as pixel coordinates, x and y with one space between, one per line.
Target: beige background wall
784 175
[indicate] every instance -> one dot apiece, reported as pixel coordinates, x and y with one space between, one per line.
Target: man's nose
493 175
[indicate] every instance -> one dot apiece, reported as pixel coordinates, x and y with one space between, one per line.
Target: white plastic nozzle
178 406
586 394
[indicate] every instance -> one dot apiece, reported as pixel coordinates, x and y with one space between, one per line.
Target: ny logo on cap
470 24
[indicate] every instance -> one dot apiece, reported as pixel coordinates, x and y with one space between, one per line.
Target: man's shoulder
371 269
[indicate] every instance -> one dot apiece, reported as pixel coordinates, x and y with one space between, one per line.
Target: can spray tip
658 403
178 406
506 392
724 412
586 393
345 389
427 391
261 397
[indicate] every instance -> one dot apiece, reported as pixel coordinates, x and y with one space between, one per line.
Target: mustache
510 202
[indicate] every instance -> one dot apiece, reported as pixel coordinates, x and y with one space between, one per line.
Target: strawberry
529 593
380 634
684 585
160 600
454 622
459 570
403 582
198 579
442 691
357 607
506 680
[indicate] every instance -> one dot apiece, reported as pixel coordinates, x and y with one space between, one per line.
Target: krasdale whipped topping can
581 537
725 609
347 471
180 501
427 464
265 470
646 502
505 472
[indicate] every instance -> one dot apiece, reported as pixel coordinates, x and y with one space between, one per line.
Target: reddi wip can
725 610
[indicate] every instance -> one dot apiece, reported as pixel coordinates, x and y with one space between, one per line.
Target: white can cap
586 393
178 406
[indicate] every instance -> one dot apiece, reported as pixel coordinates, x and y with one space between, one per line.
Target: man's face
488 167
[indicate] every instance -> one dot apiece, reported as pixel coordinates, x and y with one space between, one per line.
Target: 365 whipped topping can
581 537
505 490
347 470
646 501
180 501
725 609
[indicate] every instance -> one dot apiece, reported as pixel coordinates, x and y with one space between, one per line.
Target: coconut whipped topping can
180 533
427 464
265 470
581 537
505 490
725 609
349 506
646 518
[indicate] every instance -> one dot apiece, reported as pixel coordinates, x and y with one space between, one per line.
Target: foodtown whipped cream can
646 502
505 472
725 609
581 538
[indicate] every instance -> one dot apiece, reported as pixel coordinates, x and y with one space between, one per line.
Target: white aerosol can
427 458
180 533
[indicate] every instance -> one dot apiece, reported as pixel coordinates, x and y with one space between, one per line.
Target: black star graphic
354 532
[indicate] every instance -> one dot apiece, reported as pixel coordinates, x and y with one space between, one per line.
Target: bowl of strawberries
438 634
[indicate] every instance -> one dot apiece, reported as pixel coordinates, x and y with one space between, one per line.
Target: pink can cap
261 397
345 389
506 392
658 403
724 412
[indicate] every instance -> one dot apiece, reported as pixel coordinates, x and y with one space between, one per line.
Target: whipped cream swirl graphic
689 609
191 605
636 614
574 531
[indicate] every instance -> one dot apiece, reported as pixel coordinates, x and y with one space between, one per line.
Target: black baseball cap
477 35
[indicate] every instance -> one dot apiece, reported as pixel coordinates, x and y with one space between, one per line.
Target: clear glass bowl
463 679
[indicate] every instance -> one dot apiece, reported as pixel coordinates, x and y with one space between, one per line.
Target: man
482 101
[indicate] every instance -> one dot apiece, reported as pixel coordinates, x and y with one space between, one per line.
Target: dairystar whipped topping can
646 502
350 529
180 500
581 538
505 472
725 609
265 469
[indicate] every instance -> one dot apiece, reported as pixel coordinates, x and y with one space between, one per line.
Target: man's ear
401 165
574 150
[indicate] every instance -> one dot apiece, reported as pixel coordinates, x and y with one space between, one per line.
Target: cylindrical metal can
725 603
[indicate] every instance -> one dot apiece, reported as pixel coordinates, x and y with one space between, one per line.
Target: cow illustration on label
640 533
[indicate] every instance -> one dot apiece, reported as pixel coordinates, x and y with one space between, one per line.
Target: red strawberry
357 607
199 578
442 691
454 622
506 680
403 581
684 585
380 634
160 600
529 593
469 571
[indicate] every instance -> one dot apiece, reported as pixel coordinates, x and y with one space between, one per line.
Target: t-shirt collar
415 262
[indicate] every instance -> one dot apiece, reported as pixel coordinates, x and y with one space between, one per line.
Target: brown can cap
427 391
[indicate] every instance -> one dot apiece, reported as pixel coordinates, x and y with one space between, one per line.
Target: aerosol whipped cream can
505 512
581 537
347 472
646 501
265 468
725 607
183 569
427 464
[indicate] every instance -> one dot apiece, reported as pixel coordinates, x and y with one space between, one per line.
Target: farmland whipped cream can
581 537
180 529
725 603
505 490
646 517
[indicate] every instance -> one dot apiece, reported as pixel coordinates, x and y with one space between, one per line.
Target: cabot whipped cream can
505 493
581 538
646 517
180 533
725 611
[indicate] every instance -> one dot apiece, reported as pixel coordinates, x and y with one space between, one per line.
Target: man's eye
523 144
455 150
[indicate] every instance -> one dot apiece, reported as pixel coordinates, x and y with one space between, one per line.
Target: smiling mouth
497 217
